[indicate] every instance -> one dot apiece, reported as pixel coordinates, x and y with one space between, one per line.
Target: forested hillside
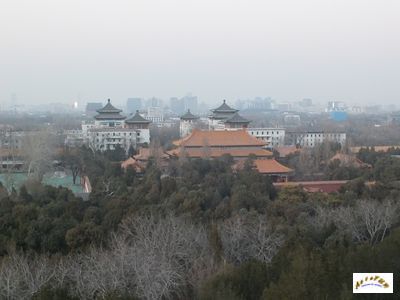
200 232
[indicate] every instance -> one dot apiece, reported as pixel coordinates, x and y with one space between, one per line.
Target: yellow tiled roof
199 138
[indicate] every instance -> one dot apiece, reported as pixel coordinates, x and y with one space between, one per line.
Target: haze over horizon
62 51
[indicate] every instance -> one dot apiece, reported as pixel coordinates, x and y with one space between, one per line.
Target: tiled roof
221 115
215 152
109 116
109 108
146 153
270 166
349 160
286 150
109 112
376 148
234 138
137 118
189 116
236 118
132 163
224 108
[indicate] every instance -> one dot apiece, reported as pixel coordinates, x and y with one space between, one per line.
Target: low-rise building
314 138
349 160
212 144
155 114
75 137
187 123
270 167
103 138
141 126
275 137
110 130
226 118
236 122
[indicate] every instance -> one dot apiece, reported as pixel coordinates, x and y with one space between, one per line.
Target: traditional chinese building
270 167
141 126
236 122
349 160
111 130
187 123
109 116
226 118
273 168
212 144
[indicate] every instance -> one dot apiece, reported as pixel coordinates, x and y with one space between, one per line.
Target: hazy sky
62 50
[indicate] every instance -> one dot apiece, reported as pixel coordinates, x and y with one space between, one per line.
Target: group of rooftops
109 112
223 113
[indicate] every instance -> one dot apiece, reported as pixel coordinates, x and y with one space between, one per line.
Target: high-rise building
133 104
336 106
306 102
92 108
177 106
154 102
190 102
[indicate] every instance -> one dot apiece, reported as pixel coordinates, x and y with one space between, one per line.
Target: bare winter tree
162 253
368 221
98 273
244 239
72 160
150 257
323 217
156 152
21 276
38 148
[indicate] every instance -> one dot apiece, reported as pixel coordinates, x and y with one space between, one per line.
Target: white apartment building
104 138
110 130
155 115
10 139
314 138
75 137
275 137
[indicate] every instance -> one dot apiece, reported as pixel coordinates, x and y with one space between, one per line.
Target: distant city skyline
66 51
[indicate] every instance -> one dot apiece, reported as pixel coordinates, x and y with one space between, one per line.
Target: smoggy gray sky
64 50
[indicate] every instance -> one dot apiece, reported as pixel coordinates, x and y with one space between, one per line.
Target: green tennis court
16 180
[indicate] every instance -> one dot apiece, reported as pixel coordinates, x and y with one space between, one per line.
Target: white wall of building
109 138
312 139
185 127
274 136
102 137
155 114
